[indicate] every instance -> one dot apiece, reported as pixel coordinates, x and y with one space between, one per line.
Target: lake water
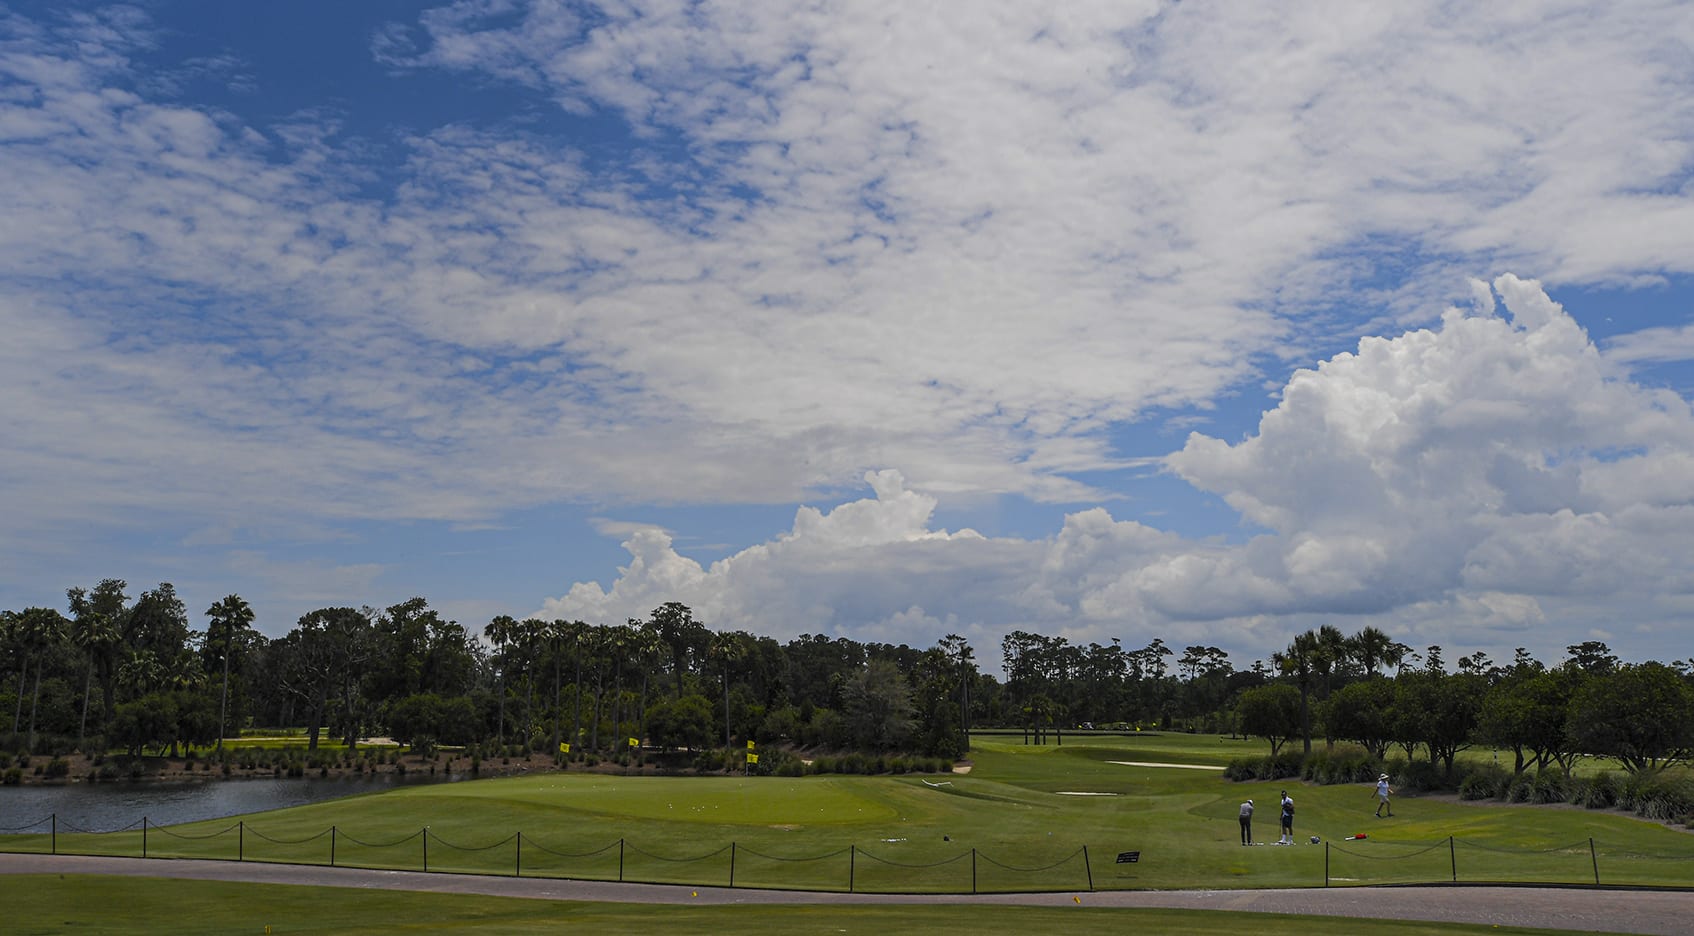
103 807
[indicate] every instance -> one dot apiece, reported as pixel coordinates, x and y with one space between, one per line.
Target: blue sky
1121 320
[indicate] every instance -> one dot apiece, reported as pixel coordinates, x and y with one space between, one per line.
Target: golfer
1247 823
1382 794
1287 820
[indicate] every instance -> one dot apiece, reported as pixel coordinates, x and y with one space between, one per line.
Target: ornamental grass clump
1490 782
1343 763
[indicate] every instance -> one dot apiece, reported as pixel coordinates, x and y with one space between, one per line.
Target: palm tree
38 630
96 636
1300 662
727 648
955 647
500 632
231 622
1372 648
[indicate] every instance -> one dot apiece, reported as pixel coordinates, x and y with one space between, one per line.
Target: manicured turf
1009 825
46 904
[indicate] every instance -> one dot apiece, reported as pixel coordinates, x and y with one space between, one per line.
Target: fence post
426 847
332 846
1326 862
973 870
1595 859
620 861
241 840
520 856
55 837
1453 856
143 836
1087 867
732 864
852 865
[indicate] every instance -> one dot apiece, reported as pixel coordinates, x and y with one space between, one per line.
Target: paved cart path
1583 909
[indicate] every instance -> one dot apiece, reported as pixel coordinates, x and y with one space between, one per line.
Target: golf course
1025 818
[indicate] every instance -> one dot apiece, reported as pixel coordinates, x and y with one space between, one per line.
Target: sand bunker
1135 763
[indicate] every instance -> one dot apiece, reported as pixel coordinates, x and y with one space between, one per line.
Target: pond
103 807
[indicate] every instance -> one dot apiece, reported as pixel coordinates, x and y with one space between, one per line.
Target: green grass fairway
1013 823
46 904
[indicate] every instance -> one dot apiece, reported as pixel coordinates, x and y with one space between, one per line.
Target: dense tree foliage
135 675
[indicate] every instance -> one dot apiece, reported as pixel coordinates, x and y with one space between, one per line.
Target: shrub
1344 763
1597 792
1419 776
12 777
1489 782
1521 789
1549 786
1665 796
1285 764
58 768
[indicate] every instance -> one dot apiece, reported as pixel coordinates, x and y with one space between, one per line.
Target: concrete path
1670 913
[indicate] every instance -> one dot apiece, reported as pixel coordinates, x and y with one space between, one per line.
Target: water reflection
102 807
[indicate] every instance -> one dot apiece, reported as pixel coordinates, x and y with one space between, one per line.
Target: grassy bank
53 904
1014 823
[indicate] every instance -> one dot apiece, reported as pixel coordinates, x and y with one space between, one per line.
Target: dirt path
1582 909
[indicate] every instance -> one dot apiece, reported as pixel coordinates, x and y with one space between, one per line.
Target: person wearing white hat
1247 823
1382 792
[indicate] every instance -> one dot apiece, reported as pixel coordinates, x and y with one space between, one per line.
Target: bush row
1665 796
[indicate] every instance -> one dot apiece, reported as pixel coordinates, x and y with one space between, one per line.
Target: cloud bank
1468 484
725 255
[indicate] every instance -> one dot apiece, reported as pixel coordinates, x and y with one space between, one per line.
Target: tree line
114 673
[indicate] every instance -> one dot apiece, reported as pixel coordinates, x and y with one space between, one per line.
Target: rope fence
893 867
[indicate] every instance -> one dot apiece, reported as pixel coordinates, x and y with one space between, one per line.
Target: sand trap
1135 763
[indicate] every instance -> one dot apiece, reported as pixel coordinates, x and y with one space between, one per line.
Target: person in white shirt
1382 792
1247 823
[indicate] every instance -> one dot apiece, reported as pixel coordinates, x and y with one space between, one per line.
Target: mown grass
1006 826
43 904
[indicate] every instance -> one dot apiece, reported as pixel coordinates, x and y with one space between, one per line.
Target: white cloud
1476 484
863 236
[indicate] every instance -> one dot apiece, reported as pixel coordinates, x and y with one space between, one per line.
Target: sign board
1129 857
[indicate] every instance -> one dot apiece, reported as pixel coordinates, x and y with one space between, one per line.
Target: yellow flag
634 742
752 758
564 747
749 745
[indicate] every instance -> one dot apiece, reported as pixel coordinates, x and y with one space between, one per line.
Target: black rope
742 849
376 845
194 838
1524 851
1065 860
67 827
475 848
277 841
8 829
1387 857
1648 855
560 854
901 864
679 860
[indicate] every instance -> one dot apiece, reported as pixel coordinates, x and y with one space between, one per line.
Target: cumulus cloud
1458 480
799 245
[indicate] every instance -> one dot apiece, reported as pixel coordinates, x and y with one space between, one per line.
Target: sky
1211 323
